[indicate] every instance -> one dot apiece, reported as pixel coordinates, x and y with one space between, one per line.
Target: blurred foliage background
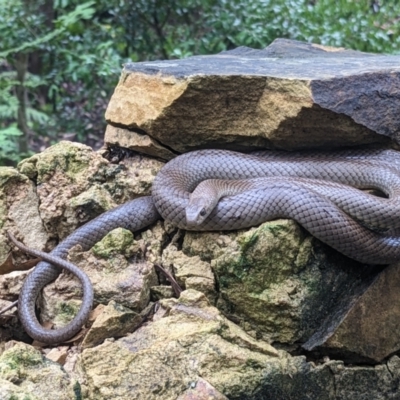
60 59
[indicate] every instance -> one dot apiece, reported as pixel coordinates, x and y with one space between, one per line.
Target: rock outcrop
265 313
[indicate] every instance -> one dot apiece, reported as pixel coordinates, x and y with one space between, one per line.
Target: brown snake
310 188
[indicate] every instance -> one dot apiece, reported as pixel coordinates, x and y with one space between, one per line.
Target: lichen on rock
114 320
19 210
178 348
116 270
25 372
75 184
117 241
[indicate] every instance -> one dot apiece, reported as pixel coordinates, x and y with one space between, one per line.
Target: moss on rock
29 375
117 241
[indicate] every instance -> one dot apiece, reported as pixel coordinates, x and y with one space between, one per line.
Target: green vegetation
60 59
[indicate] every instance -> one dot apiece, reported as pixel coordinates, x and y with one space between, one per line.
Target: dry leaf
78 336
95 313
92 317
175 286
9 265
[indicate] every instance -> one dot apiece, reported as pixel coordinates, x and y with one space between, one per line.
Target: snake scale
320 190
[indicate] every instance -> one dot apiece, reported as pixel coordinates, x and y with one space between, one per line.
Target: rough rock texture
191 272
19 209
115 273
291 95
26 374
365 333
202 390
275 280
190 346
138 142
191 339
114 321
75 184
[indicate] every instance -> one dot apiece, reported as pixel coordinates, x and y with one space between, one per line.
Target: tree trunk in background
21 65
36 64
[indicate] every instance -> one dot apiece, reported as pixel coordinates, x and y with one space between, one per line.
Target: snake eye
203 212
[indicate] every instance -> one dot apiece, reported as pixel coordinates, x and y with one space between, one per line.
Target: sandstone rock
370 329
58 355
162 292
137 141
153 242
63 172
302 380
19 212
202 390
192 351
25 372
11 283
274 280
75 184
164 358
114 273
114 321
9 390
191 272
291 95
117 241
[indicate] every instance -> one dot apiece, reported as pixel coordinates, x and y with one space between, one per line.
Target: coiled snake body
311 188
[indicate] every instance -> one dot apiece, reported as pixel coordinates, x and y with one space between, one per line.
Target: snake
218 190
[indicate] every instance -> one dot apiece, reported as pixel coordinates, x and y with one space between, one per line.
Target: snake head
197 210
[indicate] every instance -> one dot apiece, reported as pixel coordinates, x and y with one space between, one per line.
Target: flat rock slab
291 95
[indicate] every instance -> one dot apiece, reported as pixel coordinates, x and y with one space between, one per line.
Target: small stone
58 355
117 241
191 272
201 389
114 320
162 292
